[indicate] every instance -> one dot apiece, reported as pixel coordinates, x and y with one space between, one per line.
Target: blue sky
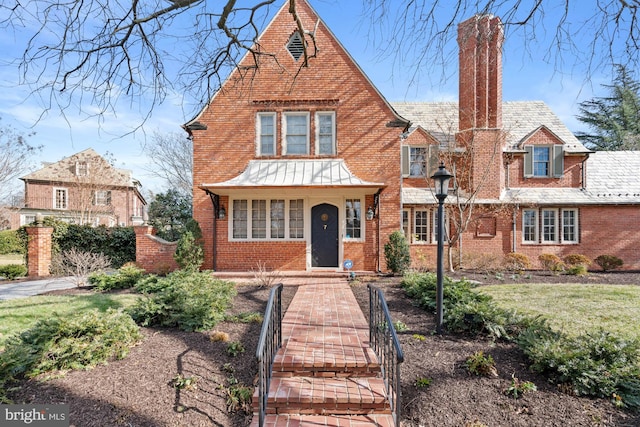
526 76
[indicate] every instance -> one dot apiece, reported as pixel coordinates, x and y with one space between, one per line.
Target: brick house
83 189
304 168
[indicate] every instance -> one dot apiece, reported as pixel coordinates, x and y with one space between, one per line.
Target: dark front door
324 236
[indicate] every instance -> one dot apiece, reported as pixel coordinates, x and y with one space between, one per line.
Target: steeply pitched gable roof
519 118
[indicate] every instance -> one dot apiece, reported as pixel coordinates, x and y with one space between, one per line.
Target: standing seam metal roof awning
293 174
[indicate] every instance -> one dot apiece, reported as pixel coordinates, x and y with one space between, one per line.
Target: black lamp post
441 178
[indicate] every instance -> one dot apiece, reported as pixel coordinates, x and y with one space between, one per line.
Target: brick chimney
480 39
480 107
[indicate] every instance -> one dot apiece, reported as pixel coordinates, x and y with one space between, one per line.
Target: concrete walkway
27 288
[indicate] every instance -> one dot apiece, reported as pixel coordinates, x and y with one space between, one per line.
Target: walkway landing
325 374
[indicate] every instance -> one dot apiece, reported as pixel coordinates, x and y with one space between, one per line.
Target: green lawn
11 259
20 314
575 308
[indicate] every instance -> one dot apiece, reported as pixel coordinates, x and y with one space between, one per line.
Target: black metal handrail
268 344
384 342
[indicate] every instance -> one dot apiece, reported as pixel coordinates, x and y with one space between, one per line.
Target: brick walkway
325 374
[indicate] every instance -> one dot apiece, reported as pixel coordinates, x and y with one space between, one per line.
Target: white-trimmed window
266 132
240 219
406 224
102 198
259 219
569 226
543 161
295 130
421 226
549 226
276 214
325 133
549 218
296 219
82 168
353 208
530 226
267 219
60 198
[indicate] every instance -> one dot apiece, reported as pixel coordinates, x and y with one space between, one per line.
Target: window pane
296 134
549 225
296 219
405 224
529 226
259 219
569 229
60 201
267 134
541 161
325 134
418 155
239 219
277 219
353 218
421 226
435 225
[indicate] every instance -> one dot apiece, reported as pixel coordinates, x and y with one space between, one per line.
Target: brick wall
154 254
370 148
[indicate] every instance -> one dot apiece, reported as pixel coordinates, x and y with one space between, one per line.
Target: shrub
577 259
516 262
10 243
482 365
126 277
608 262
594 364
397 253
519 388
190 252
79 264
235 348
12 271
551 263
60 343
577 270
189 300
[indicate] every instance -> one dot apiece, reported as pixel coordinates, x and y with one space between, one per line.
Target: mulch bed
138 390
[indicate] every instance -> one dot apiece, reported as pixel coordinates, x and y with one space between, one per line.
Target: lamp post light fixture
441 179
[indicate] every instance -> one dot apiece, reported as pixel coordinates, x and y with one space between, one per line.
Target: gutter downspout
514 221
376 203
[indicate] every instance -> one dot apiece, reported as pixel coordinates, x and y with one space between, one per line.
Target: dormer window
295 46
543 161
82 169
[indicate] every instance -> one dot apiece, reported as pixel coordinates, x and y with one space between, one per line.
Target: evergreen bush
10 243
190 251
126 277
397 253
188 300
13 271
608 262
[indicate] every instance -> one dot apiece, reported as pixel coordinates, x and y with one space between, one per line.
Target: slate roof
294 173
64 170
519 118
613 177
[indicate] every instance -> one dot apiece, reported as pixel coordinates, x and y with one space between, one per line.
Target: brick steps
324 396
325 373
326 421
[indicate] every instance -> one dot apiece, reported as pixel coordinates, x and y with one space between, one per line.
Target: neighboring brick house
303 168
83 189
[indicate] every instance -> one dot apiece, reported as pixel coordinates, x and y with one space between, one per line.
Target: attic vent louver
295 47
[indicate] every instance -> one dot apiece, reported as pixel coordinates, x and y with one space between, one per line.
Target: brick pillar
39 251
